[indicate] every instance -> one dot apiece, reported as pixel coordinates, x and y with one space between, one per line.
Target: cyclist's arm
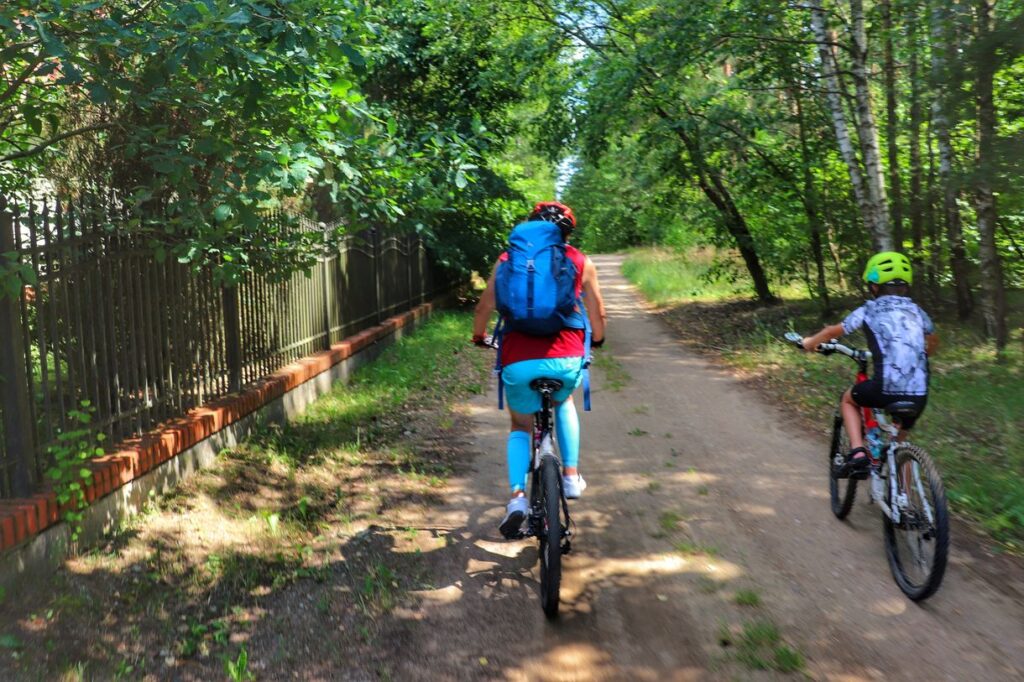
832 331
594 300
931 344
485 307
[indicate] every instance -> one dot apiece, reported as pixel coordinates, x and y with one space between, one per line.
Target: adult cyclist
560 356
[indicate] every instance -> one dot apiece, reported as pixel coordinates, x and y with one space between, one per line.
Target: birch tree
865 177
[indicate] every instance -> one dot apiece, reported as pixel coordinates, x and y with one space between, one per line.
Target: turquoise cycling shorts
518 375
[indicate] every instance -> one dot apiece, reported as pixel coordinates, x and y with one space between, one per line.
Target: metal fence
144 339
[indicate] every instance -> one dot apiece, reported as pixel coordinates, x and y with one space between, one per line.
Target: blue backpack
535 291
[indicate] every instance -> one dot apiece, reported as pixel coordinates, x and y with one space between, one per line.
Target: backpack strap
587 334
497 334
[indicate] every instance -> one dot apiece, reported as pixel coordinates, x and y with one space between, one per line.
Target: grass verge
974 424
288 557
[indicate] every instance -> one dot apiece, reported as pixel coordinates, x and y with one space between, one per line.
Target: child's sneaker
515 513
573 486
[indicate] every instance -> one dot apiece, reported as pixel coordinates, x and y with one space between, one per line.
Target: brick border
23 519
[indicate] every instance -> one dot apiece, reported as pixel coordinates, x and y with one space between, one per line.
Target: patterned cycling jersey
895 327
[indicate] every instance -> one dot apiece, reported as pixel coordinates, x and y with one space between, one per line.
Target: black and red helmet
554 212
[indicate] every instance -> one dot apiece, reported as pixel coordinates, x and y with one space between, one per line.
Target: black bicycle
549 519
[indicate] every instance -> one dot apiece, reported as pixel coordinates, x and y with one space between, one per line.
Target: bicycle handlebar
830 347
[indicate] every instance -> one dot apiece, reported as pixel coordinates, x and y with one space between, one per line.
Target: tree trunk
714 188
868 133
865 196
993 293
940 118
916 208
932 222
892 129
811 203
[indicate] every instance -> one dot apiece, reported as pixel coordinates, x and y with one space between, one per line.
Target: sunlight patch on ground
891 606
755 509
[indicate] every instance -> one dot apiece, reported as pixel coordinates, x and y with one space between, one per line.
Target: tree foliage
201 115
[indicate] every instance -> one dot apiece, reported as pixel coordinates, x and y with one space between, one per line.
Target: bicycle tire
841 496
551 537
932 484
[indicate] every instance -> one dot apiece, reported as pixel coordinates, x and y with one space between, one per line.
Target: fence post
232 336
375 233
18 432
325 280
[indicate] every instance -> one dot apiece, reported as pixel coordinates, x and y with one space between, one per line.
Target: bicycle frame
543 446
877 418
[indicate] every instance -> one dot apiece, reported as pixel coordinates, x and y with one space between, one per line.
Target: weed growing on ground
615 375
238 670
747 598
759 646
690 548
669 521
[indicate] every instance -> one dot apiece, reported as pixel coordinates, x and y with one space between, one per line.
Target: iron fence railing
144 338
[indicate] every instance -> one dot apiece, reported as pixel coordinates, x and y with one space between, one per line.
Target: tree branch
54 140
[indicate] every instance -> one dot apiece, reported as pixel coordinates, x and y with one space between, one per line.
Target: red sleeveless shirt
568 343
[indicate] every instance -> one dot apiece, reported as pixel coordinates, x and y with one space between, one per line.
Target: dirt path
698 491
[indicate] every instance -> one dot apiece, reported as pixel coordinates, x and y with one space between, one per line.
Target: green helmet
888 266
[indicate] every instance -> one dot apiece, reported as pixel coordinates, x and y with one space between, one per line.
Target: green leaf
10 642
222 213
239 18
340 88
98 93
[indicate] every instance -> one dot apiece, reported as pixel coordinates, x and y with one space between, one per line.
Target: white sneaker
515 513
573 486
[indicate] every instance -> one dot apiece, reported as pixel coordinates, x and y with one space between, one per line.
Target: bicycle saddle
546 385
902 409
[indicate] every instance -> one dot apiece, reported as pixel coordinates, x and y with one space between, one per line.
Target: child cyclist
526 357
900 336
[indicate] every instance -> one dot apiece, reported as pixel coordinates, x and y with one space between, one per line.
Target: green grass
690 548
974 424
747 598
615 375
760 646
669 521
665 277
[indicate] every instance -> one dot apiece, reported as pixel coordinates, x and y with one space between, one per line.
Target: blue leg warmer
518 459
567 429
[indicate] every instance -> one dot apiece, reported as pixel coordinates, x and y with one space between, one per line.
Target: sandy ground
683 443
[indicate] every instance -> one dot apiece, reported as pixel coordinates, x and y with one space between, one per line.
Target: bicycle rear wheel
550 537
842 491
917 546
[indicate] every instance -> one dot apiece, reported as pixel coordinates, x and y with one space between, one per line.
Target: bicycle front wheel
551 537
918 544
842 491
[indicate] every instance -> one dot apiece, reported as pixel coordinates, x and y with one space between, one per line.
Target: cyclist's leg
852 419
518 451
567 430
